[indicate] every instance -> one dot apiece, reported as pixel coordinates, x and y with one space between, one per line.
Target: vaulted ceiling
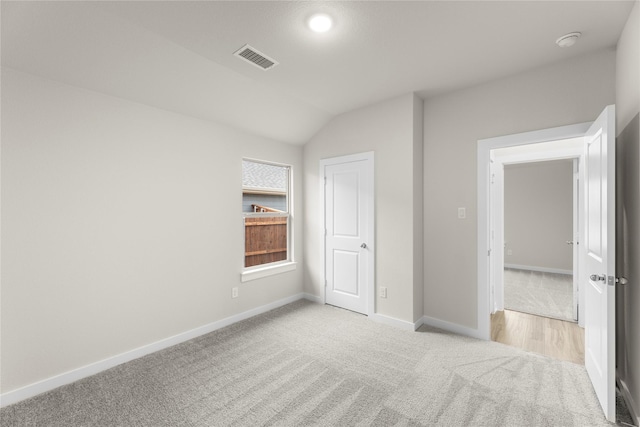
178 55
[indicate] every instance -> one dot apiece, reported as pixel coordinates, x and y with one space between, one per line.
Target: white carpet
543 294
308 364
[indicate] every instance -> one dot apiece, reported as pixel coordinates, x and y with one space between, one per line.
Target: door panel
345 189
594 197
348 239
345 272
600 260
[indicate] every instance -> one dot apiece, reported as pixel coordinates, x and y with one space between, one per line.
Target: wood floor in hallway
554 338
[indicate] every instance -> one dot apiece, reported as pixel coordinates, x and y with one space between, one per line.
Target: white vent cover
256 58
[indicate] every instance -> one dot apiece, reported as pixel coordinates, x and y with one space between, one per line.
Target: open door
600 259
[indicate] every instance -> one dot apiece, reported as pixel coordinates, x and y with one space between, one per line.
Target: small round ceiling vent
568 39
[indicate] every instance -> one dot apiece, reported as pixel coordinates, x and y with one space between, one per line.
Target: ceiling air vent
256 58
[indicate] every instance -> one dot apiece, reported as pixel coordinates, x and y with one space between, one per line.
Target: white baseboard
380 318
312 298
541 269
56 381
392 321
628 399
452 327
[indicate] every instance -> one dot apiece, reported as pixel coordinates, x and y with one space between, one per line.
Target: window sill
266 271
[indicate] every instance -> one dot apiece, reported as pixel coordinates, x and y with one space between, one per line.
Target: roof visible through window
263 176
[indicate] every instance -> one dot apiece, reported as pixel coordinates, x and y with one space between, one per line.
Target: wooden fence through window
265 240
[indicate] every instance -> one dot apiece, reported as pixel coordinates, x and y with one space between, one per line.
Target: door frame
368 157
483 186
578 199
572 150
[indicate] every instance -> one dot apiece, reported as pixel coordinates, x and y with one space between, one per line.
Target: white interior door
349 245
600 259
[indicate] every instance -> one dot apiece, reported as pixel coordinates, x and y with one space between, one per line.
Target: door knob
621 280
598 278
363 246
569 242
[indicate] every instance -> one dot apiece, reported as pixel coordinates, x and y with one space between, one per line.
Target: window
265 208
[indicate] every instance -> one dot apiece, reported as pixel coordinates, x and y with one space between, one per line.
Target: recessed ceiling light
568 40
320 23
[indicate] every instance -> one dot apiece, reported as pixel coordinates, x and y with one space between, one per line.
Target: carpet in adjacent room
542 294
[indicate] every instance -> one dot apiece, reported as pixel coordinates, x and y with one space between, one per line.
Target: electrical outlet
509 252
234 292
383 292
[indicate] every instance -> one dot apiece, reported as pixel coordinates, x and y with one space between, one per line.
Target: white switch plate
509 252
234 292
462 213
383 292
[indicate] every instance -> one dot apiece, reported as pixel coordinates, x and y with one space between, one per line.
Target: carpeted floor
543 294
309 364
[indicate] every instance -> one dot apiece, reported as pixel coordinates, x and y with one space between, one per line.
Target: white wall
628 70
628 209
418 208
386 128
573 91
538 215
113 234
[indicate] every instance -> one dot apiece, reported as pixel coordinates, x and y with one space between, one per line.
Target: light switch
462 213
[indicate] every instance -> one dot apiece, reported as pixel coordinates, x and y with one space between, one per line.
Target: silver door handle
569 242
598 278
621 280
363 246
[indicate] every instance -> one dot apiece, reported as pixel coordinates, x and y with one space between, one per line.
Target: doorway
534 222
596 272
540 219
348 219
534 216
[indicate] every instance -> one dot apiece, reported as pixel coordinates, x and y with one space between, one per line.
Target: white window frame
277 267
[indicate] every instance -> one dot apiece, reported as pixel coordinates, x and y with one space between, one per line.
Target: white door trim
369 158
483 185
578 167
496 218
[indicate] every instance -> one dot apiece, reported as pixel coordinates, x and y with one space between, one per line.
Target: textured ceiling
179 55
